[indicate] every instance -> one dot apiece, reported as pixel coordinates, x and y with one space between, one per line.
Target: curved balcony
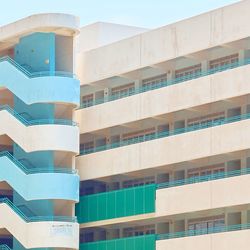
39 87
39 231
37 135
29 182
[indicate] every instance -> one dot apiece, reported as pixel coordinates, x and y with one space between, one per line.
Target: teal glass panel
114 204
145 242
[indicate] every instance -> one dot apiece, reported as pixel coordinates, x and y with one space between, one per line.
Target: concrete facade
117 137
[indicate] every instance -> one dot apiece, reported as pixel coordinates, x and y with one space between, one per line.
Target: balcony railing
212 230
34 170
148 242
4 247
165 83
36 121
36 74
204 178
166 134
28 219
137 200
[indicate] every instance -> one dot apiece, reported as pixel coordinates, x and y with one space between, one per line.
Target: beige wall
239 240
39 234
203 196
179 148
185 95
40 137
208 30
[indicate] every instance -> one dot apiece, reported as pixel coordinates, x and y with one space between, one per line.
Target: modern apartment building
121 138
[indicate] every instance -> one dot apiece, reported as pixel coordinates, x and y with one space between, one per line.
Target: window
88 100
207 170
137 231
139 182
205 225
154 82
123 91
138 136
188 73
206 120
224 62
87 146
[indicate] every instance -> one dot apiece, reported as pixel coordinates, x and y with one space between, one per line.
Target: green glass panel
129 243
121 245
149 198
139 244
139 197
130 202
111 205
146 242
92 208
102 206
111 245
119 203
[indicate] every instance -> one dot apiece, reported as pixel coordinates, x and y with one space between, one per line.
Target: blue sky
143 13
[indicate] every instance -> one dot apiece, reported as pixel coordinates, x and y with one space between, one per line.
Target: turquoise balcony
39 87
36 121
146 242
114 204
61 183
35 218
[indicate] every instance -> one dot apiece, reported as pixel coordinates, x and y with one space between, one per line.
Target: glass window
88 100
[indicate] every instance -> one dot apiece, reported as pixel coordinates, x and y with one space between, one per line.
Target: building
163 156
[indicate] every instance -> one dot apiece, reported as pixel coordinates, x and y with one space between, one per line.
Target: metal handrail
36 170
165 83
187 233
204 178
4 247
164 134
187 181
37 121
212 230
36 218
36 74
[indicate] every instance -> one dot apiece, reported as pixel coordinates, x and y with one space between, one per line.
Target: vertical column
204 67
138 85
241 57
107 94
170 75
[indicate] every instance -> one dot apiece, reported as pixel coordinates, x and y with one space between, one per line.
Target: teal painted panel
140 197
114 204
111 205
145 242
121 204
102 206
36 52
